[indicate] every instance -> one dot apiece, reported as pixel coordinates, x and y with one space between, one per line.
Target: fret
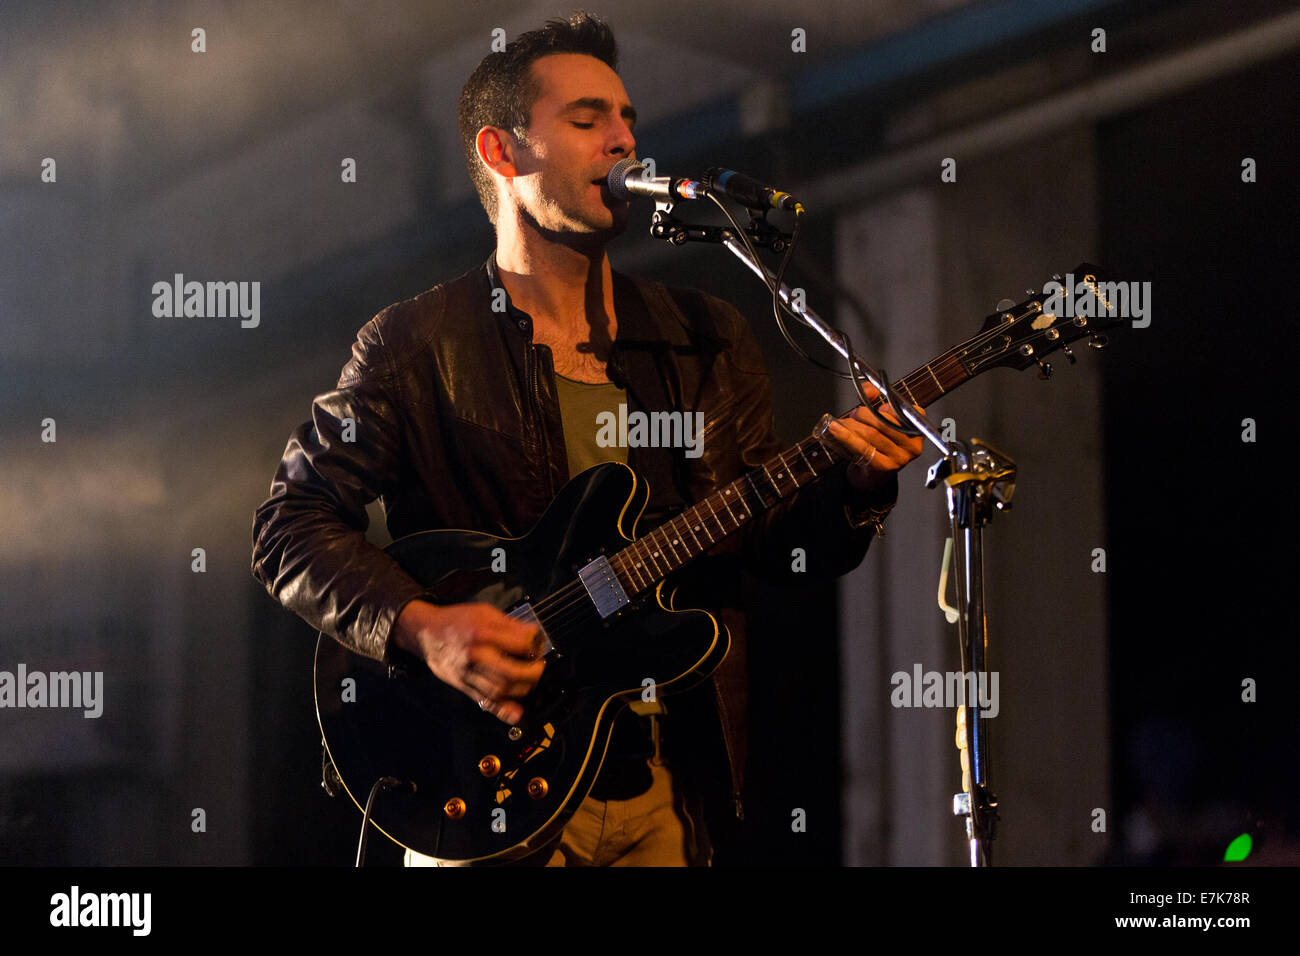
660 554
936 379
639 565
753 499
704 524
726 504
721 527
669 542
825 451
788 470
668 547
628 568
650 556
692 530
955 376
799 449
902 383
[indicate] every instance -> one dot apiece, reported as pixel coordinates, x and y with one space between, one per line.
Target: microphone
749 192
626 181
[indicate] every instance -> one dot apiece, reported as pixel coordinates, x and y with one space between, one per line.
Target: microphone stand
977 478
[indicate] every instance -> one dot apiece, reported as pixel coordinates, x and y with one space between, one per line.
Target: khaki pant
653 829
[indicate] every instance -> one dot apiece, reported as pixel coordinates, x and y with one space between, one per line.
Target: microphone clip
664 225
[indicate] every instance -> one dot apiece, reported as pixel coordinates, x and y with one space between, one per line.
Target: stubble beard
590 241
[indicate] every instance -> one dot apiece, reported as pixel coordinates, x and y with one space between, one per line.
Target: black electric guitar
485 792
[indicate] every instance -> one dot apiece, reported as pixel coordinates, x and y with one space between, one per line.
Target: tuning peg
1056 276
1065 350
1029 292
1044 369
1098 341
1003 305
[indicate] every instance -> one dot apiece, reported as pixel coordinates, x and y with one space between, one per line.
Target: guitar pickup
603 587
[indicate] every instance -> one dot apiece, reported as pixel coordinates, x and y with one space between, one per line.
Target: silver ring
482 703
866 462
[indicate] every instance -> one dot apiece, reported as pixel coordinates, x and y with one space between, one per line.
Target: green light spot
1238 849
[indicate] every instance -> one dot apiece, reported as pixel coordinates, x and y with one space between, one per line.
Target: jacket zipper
532 360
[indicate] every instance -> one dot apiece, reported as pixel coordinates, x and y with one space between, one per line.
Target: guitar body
488 793
481 796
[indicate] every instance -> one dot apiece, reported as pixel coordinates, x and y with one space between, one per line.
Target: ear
496 147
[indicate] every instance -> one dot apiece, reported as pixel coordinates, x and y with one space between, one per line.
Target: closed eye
583 125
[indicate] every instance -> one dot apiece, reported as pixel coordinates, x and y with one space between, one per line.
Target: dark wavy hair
502 89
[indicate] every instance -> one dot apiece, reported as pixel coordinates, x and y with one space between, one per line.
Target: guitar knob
1044 370
1065 350
1098 341
489 766
454 808
514 733
537 788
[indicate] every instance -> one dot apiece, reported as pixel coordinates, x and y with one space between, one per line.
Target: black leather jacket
457 425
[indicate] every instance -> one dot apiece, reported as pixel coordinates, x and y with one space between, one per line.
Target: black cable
774 286
385 783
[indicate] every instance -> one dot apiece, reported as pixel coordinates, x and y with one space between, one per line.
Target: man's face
581 126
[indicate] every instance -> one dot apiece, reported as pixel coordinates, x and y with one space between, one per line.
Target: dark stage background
1122 691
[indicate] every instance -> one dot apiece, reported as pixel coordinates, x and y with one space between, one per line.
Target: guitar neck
648 560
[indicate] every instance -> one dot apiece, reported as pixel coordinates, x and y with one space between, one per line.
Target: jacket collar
517 319
624 286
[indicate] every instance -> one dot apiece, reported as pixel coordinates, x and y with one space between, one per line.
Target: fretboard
648 560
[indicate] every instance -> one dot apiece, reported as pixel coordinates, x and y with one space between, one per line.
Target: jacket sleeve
827 520
309 545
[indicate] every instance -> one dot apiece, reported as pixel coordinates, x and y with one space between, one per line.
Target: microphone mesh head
619 174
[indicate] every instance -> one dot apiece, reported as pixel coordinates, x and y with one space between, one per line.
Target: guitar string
576 604
573 594
578 590
946 359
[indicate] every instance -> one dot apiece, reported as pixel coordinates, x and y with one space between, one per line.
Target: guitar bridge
603 587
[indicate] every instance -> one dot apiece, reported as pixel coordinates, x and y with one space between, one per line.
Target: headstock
1074 306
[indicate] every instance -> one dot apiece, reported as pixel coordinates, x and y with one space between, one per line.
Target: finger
847 438
507 712
487 659
882 417
872 393
478 689
517 638
897 439
867 438
496 687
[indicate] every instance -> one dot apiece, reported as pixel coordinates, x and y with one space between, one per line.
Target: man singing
476 401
